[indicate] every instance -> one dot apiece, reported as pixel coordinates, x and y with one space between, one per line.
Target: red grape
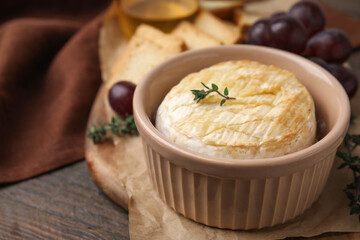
320 62
278 14
331 45
310 14
287 33
257 33
347 79
120 98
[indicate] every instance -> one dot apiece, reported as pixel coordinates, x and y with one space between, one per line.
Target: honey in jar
162 14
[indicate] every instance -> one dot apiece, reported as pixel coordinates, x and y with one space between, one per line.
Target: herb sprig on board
117 126
350 160
201 94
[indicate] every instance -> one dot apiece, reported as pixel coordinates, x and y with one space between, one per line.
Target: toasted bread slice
193 37
226 32
222 9
269 7
245 20
147 48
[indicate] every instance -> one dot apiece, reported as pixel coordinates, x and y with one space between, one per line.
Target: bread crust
226 32
147 48
193 37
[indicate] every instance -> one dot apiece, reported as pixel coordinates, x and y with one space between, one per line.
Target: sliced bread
193 37
220 8
226 32
245 20
147 48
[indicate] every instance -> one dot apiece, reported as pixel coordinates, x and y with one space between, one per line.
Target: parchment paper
150 218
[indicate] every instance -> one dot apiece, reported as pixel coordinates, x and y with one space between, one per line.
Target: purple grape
287 33
347 79
331 45
120 98
278 14
320 62
310 14
257 33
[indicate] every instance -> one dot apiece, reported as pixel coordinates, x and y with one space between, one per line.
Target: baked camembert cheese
273 113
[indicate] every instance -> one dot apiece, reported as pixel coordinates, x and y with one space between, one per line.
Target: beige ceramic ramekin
234 193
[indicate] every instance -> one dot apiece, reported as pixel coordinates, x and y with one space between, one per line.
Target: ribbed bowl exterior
237 203
248 193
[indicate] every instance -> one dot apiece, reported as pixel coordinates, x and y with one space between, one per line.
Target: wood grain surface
63 204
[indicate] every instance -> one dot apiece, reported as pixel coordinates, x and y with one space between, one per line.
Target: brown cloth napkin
49 75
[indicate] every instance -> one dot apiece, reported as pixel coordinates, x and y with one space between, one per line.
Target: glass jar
162 14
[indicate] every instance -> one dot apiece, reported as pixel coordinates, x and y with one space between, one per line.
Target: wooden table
66 204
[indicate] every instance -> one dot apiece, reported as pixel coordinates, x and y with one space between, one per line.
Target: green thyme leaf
222 101
352 190
205 85
355 209
342 165
201 94
343 156
355 139
117 126
352 119
214 87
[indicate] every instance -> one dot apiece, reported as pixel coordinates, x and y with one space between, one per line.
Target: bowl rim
188 157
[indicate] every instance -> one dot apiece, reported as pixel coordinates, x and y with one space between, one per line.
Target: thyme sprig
117 126
201 94
352 190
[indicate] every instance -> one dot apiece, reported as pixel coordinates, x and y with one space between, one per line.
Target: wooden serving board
103 163
99 158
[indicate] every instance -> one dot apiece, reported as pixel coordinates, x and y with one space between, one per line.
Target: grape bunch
301 30
120 97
